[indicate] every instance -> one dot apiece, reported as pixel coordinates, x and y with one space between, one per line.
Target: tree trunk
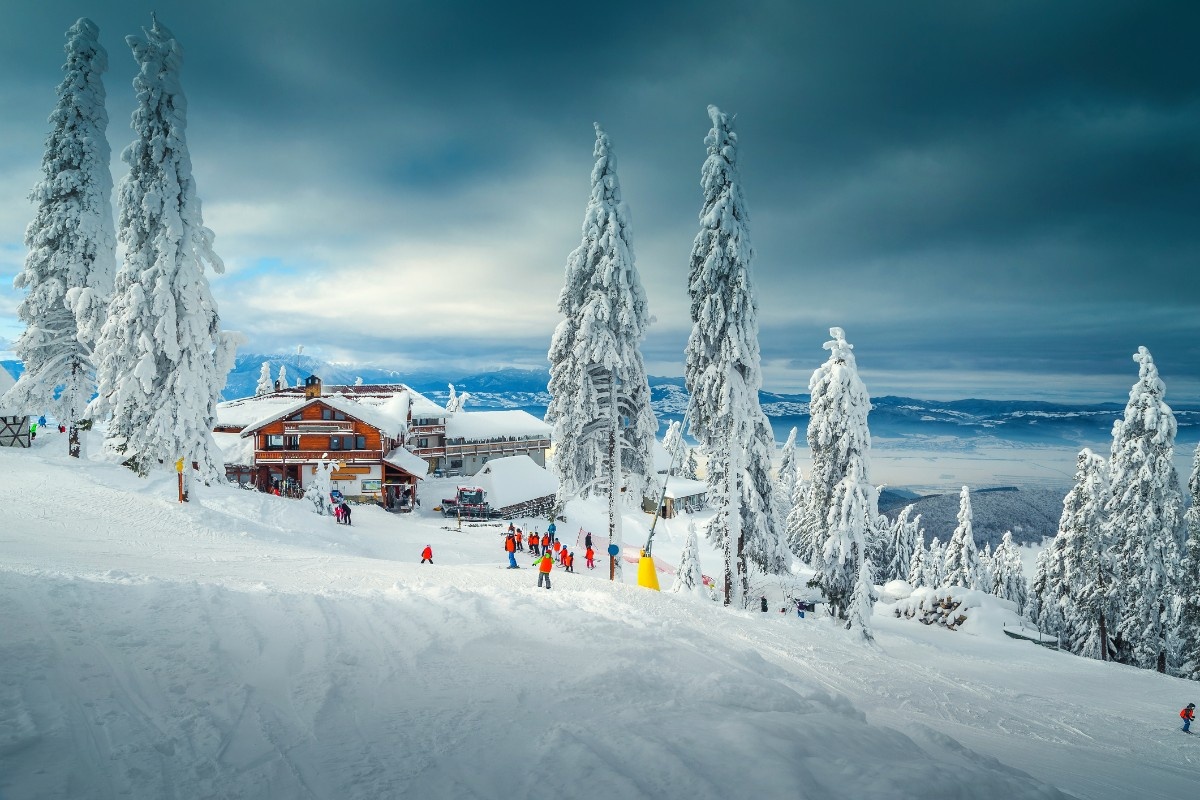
73 441
1103 638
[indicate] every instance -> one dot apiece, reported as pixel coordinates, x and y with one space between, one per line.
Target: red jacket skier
427 554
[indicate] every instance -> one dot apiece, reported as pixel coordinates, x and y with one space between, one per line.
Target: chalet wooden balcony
500 446
428 430
310 427
305 456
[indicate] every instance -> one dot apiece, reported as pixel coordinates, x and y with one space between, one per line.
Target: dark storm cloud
1008 189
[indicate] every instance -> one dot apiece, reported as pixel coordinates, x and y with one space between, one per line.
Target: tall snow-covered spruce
1145 520
264 385
832 526
597 349
1085 594
960 565
1189 584
837 433
723 374
162 359
69 269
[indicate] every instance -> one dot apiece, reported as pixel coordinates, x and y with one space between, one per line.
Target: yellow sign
179 465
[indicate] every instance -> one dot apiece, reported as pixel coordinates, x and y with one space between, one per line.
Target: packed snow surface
241 646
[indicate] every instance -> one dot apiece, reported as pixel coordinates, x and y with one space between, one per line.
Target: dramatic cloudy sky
994 199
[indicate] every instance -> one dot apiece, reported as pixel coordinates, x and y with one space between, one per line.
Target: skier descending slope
1187 715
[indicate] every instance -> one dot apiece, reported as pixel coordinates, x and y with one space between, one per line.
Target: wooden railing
301 456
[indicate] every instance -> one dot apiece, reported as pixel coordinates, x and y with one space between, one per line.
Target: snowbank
241 646
514 479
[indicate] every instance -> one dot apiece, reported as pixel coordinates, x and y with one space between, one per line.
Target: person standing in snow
587 540
345 513
551 528
570 561
545 542
544 566
510 546
427 554
519 541
764 602
1187 715
32 431
533 543
590 555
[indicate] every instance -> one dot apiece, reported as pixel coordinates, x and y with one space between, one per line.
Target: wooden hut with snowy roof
14 422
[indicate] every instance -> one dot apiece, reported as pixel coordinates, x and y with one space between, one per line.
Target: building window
456 463
422 443
291 443
296 417
338 415
326 413
360 443
274 442
335 443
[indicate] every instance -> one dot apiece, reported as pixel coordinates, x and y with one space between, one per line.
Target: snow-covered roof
6 383
486 425
386 397
391 419
684 487
234 449
515 479
408 461
662 459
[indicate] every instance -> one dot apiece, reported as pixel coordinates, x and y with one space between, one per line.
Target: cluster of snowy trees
146 340
598 382
1121 580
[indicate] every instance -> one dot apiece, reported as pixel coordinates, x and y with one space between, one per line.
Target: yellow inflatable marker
647 574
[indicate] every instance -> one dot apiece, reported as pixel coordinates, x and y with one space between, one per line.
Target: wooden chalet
385 438
362 432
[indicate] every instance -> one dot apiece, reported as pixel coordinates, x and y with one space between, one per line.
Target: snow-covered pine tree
689 579
358 381
916 567
162 359
1144 519
1007 579
862 603
68 271
985 568
456 401
723 373
319 490
676 448
1087 581
282 380
691 467
961 562
844 551
265 385
1047 589
906 534
837 432
934 567
605 320
786 478
1189 583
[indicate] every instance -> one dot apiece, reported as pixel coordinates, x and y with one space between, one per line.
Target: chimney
312 387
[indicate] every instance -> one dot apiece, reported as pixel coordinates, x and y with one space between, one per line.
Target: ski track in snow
241 647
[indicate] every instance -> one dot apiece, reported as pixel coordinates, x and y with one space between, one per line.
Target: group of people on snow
546 549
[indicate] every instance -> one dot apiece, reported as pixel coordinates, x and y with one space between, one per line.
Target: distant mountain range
892 418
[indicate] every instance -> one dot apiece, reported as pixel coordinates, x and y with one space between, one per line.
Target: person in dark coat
345 513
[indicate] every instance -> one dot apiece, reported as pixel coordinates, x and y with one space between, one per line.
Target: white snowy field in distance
940 465
241 646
